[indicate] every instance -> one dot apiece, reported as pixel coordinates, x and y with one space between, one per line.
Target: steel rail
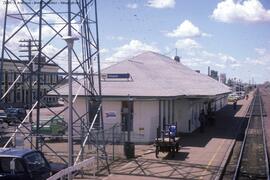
237 169
264 141
244 142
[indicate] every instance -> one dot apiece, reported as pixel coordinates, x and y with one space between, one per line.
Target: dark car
15 114
3 116
23 164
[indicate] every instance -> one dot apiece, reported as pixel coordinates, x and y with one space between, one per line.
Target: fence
112 139
88 163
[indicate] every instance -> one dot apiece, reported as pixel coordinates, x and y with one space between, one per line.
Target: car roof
14 152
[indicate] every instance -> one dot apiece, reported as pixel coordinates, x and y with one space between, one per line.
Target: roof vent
177 58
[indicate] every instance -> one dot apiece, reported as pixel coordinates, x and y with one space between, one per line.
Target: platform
202 155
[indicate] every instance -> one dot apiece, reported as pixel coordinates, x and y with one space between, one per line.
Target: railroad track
253 159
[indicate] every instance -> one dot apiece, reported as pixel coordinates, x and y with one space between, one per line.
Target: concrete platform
201 156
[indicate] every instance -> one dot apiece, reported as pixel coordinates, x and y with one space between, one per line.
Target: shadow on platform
225 127
181 156
152 168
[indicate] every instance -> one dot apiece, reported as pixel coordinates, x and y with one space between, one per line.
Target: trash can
129 150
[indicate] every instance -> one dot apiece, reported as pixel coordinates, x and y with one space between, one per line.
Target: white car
241 94
233 97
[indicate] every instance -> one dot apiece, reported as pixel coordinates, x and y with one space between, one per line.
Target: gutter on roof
156 97
143 97
207 96
166 97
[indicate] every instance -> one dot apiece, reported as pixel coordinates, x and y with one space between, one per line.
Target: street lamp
70 41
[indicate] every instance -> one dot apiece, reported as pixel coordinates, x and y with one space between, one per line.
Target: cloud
262 58
118 38
160 4
226 58
206 35
244 69
130 49
196 57
229 11
132 6
185 30
48 32
260 51
187 44
104 50
12 8
257 62
222 66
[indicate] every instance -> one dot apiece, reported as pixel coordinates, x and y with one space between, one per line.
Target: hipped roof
155 75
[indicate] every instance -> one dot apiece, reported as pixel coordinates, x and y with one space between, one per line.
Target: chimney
209 71
177 58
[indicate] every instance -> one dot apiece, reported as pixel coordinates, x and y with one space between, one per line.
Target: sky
230 36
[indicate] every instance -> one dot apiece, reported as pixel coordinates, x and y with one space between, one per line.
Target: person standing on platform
234 104
202 120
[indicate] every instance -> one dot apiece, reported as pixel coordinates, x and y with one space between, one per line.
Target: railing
88 163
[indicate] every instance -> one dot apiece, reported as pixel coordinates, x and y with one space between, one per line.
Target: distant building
19 95
214 75
222 78
235 84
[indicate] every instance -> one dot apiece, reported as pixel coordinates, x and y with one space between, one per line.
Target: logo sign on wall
110 115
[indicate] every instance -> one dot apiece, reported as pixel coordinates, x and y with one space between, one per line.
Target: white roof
155 75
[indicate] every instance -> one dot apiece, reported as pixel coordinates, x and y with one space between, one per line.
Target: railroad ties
253 159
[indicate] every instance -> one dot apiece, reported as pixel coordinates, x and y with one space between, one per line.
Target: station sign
118 76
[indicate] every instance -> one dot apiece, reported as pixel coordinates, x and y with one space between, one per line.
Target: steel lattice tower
50 27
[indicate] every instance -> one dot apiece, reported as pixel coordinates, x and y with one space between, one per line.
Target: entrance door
125 115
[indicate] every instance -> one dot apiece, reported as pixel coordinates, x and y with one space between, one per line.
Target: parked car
241 94
3 116
24 164
233 97
55 128
15 114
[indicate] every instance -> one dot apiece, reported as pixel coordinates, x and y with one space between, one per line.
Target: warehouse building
159 91
19 95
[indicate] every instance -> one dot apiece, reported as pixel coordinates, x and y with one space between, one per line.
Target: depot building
159 91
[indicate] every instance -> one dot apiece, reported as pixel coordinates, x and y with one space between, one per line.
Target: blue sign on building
118 76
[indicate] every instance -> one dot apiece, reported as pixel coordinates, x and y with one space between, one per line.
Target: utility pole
38 74
30 46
